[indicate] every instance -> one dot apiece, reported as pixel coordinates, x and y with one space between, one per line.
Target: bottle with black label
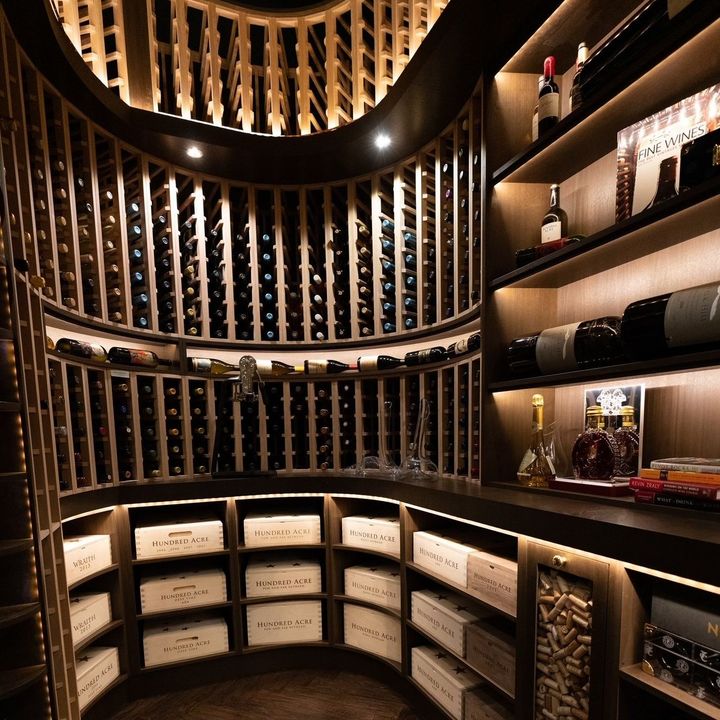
554 225
426 355
568 347
672 322
548 99
369 363
130 356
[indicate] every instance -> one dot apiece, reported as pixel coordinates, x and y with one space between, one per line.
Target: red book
711 492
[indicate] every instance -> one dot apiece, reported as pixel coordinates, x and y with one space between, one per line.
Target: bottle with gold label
628 443
595 452
536 468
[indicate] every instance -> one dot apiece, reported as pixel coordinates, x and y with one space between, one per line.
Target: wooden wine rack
280 73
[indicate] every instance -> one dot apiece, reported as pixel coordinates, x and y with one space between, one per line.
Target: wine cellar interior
285 371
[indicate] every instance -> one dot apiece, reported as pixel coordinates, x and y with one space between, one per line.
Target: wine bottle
554 225
536 468
425 356
576 90
272 368
548 99
534 133
468 344
130 356
78 348
568 347
527 255
323 367
668 323
371 363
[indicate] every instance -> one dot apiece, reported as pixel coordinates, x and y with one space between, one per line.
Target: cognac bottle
628 443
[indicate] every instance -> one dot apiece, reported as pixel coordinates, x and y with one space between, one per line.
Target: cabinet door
564 607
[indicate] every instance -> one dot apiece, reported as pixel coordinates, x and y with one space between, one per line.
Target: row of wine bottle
649 328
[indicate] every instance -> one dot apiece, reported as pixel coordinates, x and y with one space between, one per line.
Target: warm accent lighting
194 152
382 141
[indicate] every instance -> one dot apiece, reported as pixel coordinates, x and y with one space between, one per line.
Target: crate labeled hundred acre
667 152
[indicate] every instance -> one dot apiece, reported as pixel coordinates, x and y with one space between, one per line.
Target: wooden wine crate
190 537
191 638
372 533
379 585
442 616
262 530
284 622
190 589
89 613
373 631
444 678
285 576
85 555
95 668
442 555
493 579
492 653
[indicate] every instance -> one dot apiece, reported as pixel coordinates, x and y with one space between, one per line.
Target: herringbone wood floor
288 695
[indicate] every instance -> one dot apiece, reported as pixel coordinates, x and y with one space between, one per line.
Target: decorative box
191 537
284 622
442 556
188 589
443 677
379 585
192 638
492 653
89 613
85 555
479 705
95 669
263 530
493 579
373 631
443 617
372 533
284 576
688 612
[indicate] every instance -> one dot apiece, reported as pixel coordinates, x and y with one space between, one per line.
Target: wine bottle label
548 106
368 362
550 232
555 349
461 346
534 131
692 316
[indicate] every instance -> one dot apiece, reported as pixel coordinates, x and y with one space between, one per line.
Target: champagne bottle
548 99
371 363
425 356
554 225
89 351
130 356
323 367
536 468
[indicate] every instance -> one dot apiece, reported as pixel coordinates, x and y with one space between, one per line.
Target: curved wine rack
278 73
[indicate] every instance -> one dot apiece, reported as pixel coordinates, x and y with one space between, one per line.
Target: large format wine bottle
673 321
567 347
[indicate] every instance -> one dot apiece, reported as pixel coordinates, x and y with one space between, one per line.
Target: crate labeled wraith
441 555
492 653
191 638
479 705
372 533
282 576
284 622
85 555
188 589
373 631
191 537
493 579
261 530
95 668
379 585
446 679
442 616
89 613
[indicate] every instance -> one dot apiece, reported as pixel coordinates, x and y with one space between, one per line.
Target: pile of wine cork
564 629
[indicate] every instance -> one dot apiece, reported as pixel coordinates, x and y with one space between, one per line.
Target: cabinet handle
558 561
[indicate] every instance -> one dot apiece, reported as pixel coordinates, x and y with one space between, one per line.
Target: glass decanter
417 464
382 462
595 452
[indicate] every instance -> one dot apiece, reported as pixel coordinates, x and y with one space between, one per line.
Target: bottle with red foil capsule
548 99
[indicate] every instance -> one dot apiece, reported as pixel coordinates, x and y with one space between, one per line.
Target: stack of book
692 483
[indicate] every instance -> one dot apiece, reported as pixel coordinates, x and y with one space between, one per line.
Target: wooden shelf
15 614
420 631
662 226
249 650
440 709
14 547
674 696
119 680
15 681
460 590
162 614
189 661
288 597
365 551
243 550
6 334
178 558
639 368
105 630
396 666
9 407
105 571
365 603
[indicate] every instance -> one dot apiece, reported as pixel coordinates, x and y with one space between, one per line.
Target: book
681 476
711 492
688 464
679 501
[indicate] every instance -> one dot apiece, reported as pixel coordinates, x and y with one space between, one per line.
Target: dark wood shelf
9 407
674 696
105 630
289 597
189 661
12 477
15 614
656 366
178 558
396 666
15 681
6 334
249 650
420 631
460 590
105 571
243 550
691 213
169 614
444 714
119 680
367 604
14 547
366 551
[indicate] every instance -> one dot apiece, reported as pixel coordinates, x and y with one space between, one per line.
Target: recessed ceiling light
382 141
194 152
